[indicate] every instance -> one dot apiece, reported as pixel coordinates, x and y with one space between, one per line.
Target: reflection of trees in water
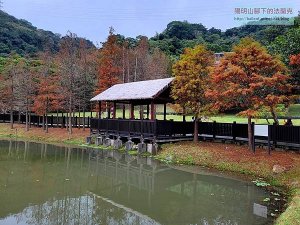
64 211
86 209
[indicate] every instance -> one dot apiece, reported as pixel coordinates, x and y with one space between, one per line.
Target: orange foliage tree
47 98
191 76
249 78
109 71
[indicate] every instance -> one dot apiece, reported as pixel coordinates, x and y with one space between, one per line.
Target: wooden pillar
99 109
183 115
165 111
131 111
124 111
108 111
141 112
148 110
153 117
114 110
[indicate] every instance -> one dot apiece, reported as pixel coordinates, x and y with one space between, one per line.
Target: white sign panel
261 130
260 210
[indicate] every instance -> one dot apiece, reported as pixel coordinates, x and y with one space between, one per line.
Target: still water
47 184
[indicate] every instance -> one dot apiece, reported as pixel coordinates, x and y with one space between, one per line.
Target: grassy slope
229 157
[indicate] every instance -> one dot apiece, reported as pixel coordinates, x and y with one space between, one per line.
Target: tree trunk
26 121
11 104
196 131
275 118
83 122
46 121
46 112
250 134
11 118
78 118
128 68
70 122
43 121
135 69
26 115
62 120
29 118
70 116
123 65
57 119
19 117
46 129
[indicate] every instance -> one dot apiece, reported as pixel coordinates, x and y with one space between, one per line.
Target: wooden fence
53 121
275 135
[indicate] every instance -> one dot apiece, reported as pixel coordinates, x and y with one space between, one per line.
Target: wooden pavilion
147 95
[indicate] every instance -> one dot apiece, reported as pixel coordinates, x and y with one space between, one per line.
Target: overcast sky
92 18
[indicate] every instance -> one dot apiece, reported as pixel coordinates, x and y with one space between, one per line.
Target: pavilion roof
141 90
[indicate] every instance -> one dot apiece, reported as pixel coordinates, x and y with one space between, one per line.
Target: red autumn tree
109 72
249 78
191 76
47 98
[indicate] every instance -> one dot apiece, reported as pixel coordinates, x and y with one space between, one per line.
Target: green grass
292 214
294 110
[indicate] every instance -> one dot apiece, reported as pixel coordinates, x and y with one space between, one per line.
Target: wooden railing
286 134
53 121
160 129
276 134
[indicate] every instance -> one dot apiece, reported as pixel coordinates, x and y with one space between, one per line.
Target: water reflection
46 184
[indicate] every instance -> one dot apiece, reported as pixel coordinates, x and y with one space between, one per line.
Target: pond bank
224 157
55 135
238 159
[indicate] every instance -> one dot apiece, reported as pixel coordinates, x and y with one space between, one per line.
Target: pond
48 184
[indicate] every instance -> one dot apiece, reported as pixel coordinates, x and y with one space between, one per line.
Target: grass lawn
294 110
234 158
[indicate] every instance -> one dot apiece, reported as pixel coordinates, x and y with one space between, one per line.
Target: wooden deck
162 131
148 129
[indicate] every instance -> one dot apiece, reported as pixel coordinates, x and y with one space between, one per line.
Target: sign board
260 210
261 130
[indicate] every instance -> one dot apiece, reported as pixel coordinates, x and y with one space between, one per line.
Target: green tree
287 44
